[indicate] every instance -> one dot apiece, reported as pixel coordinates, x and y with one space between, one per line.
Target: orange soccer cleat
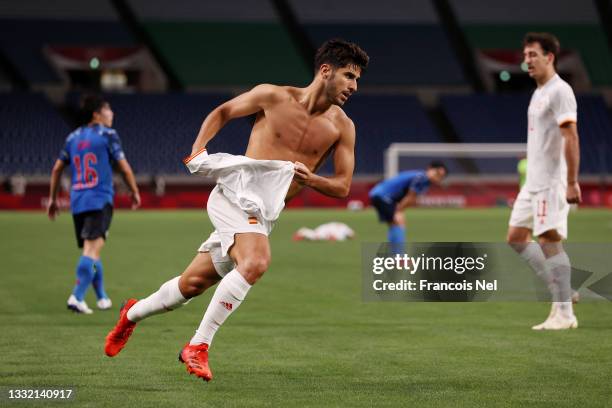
195 358
118 337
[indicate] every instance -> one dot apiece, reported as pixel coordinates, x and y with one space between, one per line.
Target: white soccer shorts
228 219
541 211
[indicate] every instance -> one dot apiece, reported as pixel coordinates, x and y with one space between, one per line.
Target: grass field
303 337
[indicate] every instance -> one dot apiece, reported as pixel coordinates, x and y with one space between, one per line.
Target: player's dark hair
91 104
340 53
548 42
437 164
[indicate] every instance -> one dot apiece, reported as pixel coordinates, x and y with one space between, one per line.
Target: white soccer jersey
552 105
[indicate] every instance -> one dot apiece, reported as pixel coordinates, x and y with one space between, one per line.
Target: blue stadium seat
23 41
487 118
503 119
595 130
31 133
400 54
381 120
157 131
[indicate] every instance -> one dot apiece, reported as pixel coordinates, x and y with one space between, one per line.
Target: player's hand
302 173
573 195
398 218
136 200
52 210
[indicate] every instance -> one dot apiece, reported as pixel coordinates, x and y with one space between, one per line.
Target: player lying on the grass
91 151
294 131
553 155
392 196
330 231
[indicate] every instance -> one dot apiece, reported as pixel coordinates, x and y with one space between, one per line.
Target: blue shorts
385 207
91 225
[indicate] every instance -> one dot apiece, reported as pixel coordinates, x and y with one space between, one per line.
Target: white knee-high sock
561 270
167 298
230 293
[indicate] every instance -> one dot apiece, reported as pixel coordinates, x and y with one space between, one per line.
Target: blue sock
396 238
84 273
98 280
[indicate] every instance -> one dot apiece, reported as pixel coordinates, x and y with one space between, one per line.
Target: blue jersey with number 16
91 151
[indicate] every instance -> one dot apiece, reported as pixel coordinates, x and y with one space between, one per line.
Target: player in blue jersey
91 151
392 196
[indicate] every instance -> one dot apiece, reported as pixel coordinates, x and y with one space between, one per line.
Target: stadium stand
384 119
37 24
229 46
495 25
157 130
237 43
595 128
31 134
405 39
5 81
503 119
487 118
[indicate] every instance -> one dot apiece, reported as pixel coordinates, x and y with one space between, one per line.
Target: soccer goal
469 159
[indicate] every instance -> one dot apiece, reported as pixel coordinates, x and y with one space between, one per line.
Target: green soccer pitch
303 337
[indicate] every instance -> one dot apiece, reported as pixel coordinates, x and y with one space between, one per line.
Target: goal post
396 151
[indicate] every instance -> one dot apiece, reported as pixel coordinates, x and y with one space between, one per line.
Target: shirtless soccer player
294 131
553 156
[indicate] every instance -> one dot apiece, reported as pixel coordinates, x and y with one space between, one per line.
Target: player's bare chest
301 131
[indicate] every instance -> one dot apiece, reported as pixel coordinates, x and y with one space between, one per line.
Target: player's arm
409 200
569 130
255 100
344 163
128 176
56 174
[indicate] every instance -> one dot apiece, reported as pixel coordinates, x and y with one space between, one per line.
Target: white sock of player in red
229 294
167 298
561 270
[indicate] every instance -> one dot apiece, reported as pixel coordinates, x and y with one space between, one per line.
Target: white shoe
104 304
78 307
557 322
553 311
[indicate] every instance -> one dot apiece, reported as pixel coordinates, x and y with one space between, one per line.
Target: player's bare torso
286 130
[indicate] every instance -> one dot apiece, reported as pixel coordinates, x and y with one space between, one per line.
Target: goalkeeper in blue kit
392 196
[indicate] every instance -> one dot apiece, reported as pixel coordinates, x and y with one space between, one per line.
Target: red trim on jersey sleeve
566 121
189 158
